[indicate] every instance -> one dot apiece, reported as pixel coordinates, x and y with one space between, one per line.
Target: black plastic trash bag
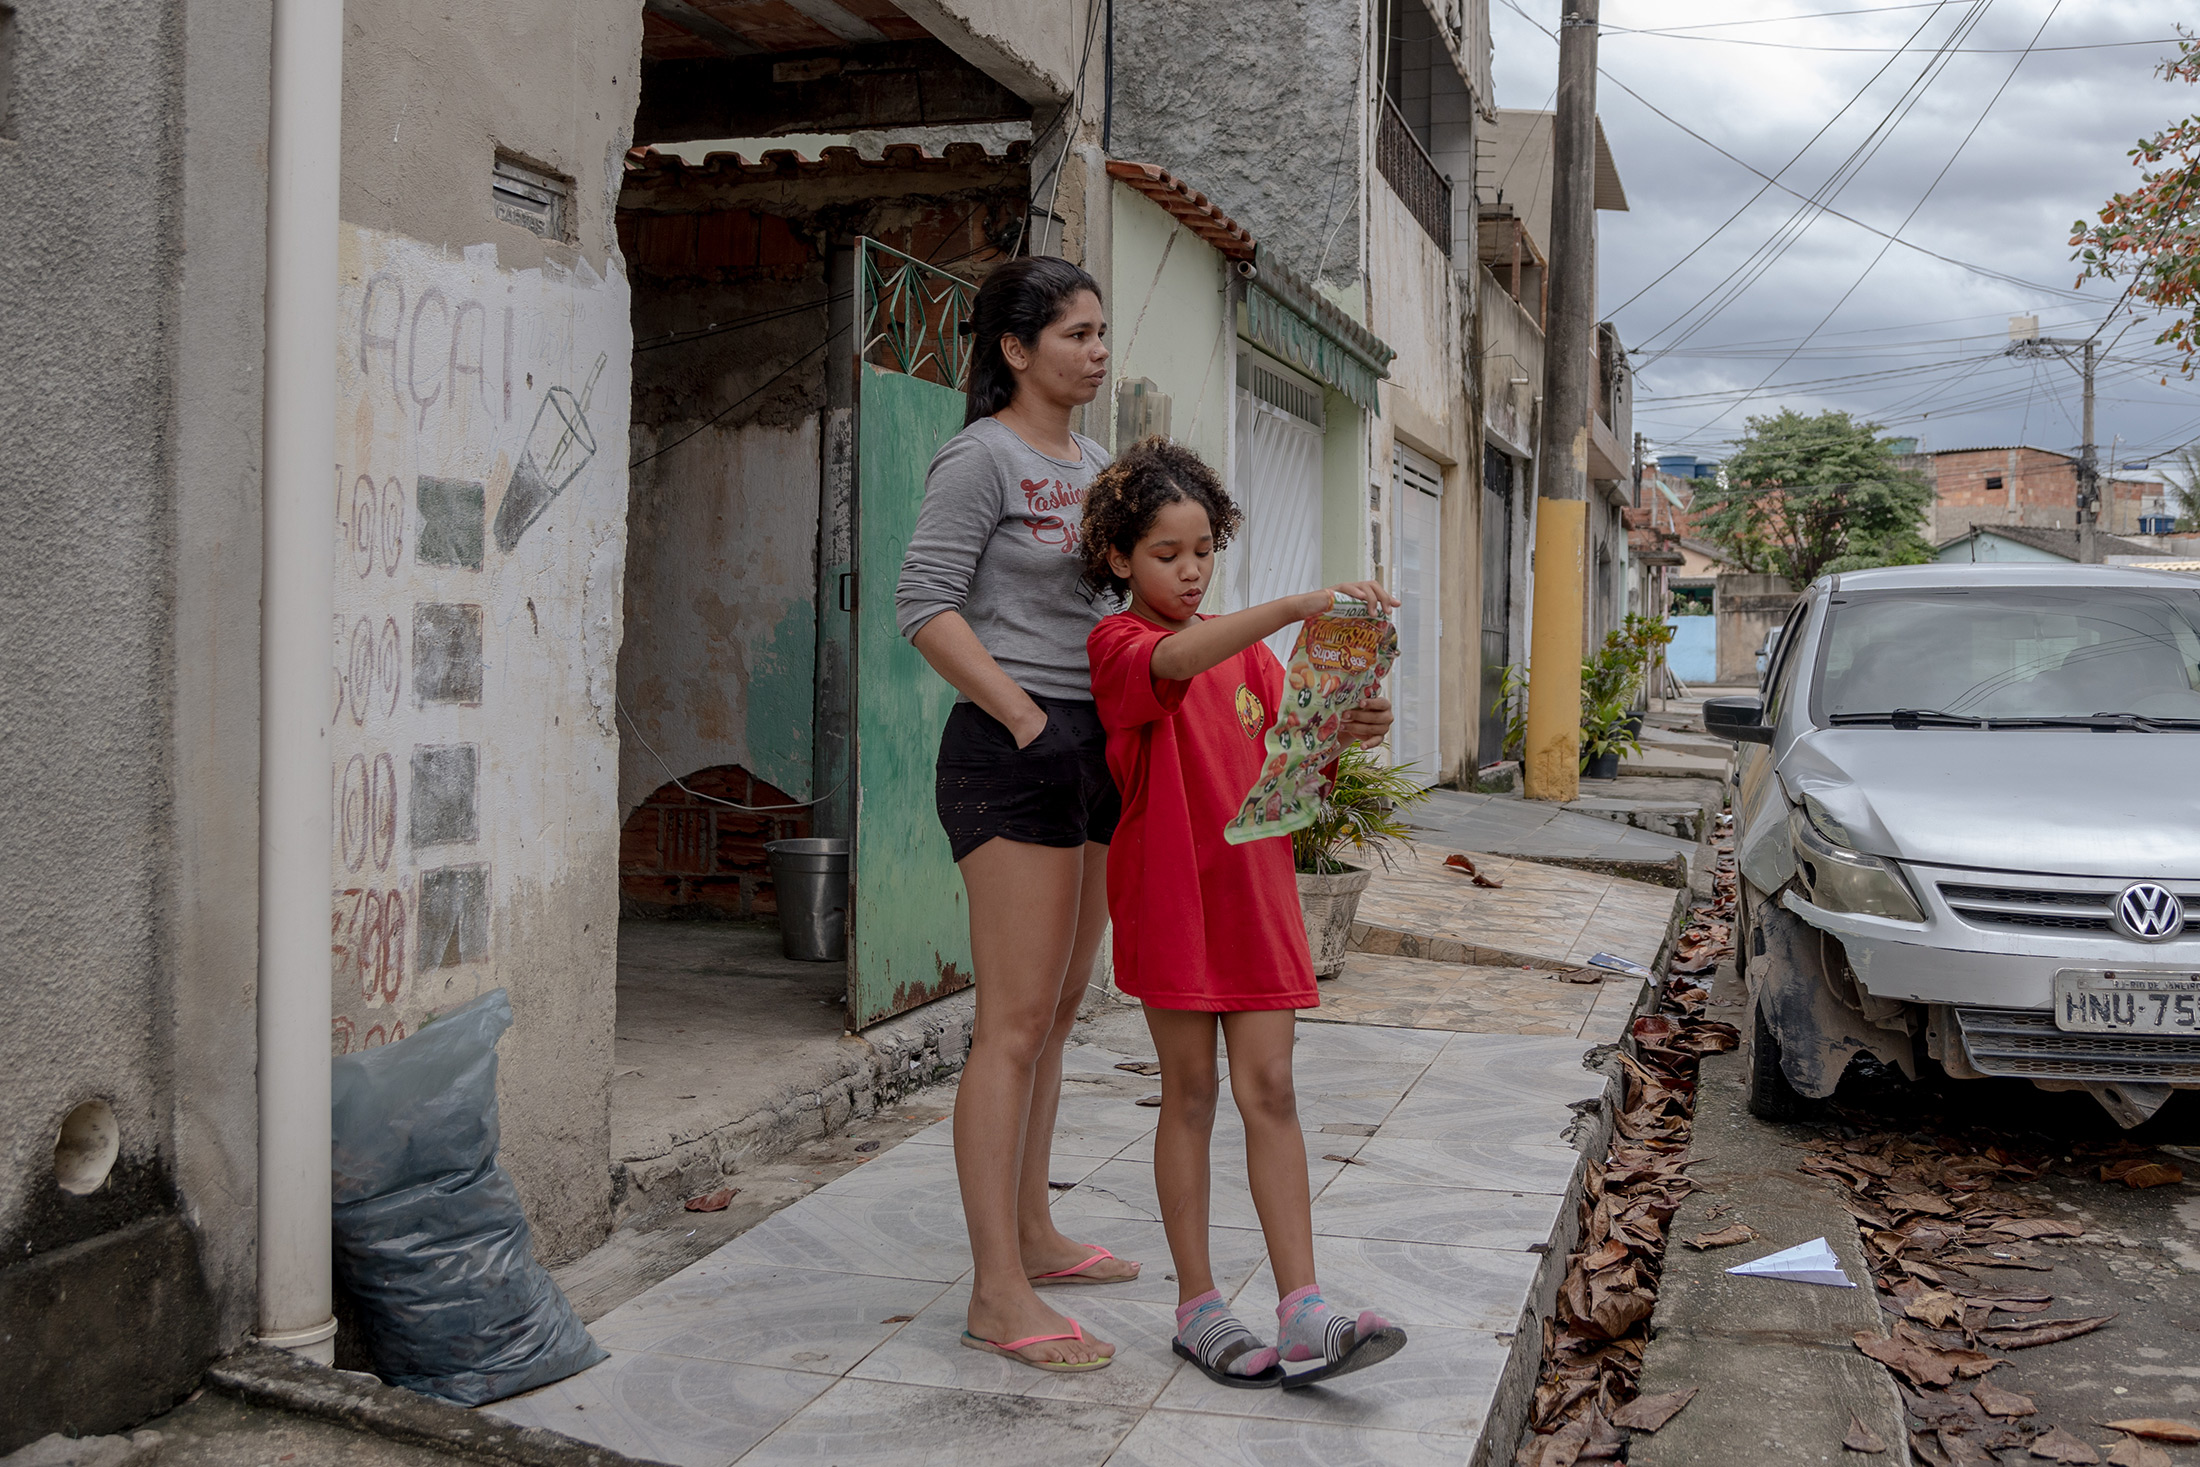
430 1239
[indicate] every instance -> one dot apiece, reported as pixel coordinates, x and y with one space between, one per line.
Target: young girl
1207 933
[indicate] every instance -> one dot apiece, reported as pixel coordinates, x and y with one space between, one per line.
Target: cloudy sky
1755 319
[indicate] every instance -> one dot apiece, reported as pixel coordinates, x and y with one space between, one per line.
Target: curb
1506 1421
282 1381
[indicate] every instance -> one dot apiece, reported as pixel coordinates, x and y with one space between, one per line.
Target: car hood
2069 802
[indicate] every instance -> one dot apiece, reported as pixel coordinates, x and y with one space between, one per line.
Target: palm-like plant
1360 813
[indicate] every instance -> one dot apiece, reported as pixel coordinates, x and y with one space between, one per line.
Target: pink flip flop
1075 1273
1059 1367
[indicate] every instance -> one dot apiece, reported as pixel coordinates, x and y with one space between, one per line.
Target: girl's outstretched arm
1184 655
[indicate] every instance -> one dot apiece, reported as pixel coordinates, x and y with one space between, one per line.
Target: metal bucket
812 878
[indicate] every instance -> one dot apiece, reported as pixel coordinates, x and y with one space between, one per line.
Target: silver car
1968 832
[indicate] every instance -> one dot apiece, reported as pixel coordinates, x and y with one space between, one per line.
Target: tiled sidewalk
828 1334
1547 915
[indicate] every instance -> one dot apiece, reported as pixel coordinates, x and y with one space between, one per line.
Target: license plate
2116 1003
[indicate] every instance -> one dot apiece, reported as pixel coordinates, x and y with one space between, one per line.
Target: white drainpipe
305 147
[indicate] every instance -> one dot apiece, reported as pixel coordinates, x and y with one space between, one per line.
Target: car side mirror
1739 719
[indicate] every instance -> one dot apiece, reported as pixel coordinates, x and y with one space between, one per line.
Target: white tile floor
828 1334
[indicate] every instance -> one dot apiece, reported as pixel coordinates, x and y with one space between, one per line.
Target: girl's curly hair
1124 498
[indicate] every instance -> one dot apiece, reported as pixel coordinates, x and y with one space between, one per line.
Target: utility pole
2025 341
1551 761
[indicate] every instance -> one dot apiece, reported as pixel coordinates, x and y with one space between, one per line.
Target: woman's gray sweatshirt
996 540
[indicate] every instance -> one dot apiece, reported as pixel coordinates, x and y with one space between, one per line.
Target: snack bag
1339 657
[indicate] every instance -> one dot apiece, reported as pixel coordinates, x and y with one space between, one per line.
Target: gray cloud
2051 151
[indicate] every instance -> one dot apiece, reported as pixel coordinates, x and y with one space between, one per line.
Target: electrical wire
1920 204
1761 260
737 402
714 799
1775 178
1991 274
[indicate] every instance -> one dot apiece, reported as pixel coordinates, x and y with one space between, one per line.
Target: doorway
1417 494
1278 478
1497 490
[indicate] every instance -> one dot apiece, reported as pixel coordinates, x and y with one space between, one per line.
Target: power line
1792 230
1883 50
1753 198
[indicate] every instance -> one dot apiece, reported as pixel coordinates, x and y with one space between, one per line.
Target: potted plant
1605 736
1359 815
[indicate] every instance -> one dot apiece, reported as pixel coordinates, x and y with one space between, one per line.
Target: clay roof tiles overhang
1190 208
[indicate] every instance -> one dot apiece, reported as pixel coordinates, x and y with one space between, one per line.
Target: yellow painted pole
1551 764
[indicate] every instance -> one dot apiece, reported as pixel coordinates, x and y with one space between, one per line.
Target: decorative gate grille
912 315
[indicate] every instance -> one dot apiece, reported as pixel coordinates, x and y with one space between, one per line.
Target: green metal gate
909 927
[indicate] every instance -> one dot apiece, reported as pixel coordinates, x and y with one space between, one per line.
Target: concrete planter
1329 903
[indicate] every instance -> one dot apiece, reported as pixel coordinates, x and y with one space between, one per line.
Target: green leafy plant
1512 701
1360 813
1606 728
1803 495
2152 233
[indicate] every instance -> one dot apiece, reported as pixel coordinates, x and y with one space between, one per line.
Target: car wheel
1769 1095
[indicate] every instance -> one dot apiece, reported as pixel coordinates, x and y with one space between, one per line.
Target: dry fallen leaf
1347 1160
1604 1255
1151 1102
1920 1365
1862 1438
2038 1227
2143 1173
1648 1413
2048 1332
897 1319
2184 1433
1997 1402
1722 1237
2132 1452
2060 1446
712 1201
1935 1307
1141 1067
1923 1202
1461 863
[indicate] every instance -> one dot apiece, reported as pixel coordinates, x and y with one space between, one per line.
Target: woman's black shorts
1055 791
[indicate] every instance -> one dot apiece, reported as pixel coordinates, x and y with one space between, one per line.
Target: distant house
2001 544
2017 484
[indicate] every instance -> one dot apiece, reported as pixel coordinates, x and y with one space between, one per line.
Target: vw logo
2149 913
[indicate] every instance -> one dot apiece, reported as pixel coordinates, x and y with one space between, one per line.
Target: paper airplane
1805 1263
1616 964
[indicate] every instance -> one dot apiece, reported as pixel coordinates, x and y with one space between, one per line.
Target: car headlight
1841 879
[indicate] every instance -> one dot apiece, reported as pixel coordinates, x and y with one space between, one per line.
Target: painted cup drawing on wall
559 446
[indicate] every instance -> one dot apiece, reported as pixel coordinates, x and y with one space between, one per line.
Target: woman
990 594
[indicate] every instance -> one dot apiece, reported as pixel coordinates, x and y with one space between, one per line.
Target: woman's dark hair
1021 299
1124 499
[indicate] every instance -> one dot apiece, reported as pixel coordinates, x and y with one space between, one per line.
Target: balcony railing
1413 176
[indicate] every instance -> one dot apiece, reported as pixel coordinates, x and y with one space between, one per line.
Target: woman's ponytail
1020 299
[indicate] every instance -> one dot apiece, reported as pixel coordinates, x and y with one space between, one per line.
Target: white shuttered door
1417 486
1278 551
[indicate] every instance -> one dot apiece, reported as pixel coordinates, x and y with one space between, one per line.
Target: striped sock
1208 1329
1306 1329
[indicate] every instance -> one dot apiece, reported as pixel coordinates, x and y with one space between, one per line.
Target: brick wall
684 857
2022 486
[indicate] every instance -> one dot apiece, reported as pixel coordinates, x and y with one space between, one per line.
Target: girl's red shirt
1199 923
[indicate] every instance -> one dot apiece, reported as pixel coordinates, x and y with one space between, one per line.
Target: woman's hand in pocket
1028 725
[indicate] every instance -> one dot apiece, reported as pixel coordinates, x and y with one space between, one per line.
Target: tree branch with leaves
2152 234
1803 496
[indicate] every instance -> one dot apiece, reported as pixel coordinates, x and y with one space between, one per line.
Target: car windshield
2012 652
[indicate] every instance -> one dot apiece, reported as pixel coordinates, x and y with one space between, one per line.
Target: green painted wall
909 932
1168 323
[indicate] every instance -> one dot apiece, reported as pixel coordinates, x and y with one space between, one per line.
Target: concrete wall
1415 306
483 390
1173 323
129 434
1263 105
1749 606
